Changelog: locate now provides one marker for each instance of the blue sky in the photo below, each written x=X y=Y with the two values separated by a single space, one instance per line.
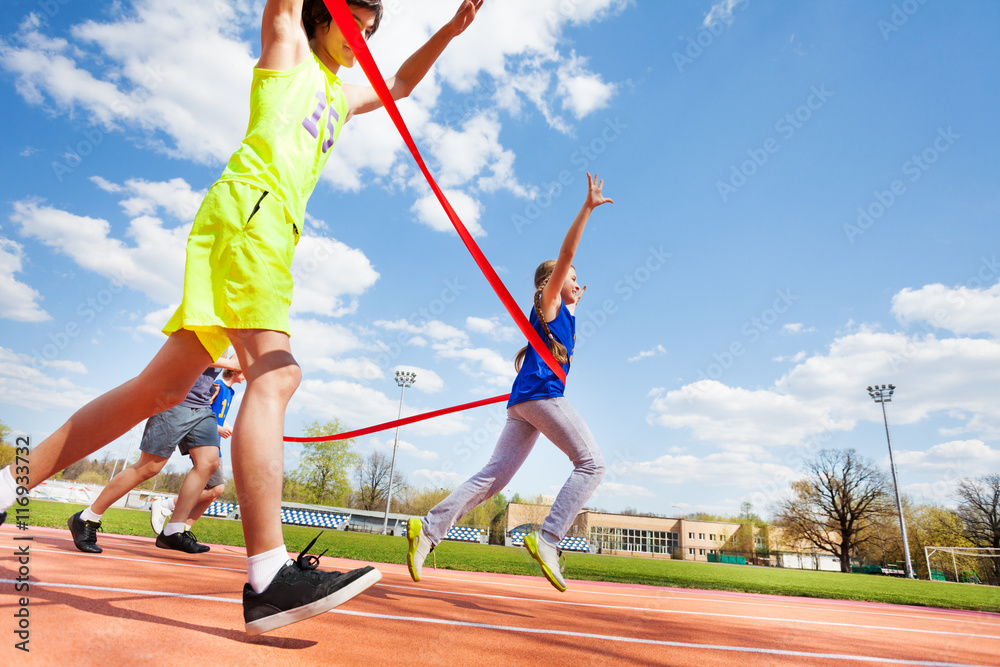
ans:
x=805 y=203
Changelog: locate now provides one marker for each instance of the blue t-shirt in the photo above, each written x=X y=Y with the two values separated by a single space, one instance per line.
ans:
x=201 y=393
x=222 y=402
x=536 y=380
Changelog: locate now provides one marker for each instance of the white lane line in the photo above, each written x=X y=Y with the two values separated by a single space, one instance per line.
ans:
x=836 y=606
x=697 y=613
x=537 y=631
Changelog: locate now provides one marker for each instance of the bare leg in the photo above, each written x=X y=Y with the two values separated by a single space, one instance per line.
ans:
x=205 y=460
x=258 y=446
x=146 y=467
x=206 y=498
x=162 y=384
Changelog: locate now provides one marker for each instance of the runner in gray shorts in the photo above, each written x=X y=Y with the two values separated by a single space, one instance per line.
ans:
x=183 y=428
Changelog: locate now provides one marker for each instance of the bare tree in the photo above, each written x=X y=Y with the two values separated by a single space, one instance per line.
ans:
x=979 y=514
x=373 y=481
x=836 y=506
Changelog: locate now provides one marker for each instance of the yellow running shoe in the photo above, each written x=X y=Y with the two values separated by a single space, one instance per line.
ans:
x=419 y=547
x=547 y=556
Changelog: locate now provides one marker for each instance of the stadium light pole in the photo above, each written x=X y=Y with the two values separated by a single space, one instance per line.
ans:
x=883 y=395
x=404 y=379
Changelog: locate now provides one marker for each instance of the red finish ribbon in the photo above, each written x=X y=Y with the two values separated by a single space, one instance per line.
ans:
x=348 y=27
x=401 y=422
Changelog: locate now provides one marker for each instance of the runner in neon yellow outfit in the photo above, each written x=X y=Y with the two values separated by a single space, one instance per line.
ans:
x=238 y=286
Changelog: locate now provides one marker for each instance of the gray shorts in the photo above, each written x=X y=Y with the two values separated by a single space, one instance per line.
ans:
x=218 y=477
x=181 y=428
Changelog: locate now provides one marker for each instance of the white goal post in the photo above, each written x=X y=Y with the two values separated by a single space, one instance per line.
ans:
x=978 y=552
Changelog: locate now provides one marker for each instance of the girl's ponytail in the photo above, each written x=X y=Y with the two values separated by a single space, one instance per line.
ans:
x=558 y=350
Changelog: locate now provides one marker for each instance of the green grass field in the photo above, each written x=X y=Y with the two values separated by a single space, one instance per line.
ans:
x=506 y=560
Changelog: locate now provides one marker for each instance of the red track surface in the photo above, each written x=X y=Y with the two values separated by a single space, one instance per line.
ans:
x=139 y=605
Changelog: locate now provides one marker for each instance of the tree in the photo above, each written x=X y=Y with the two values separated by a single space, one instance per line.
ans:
x=323 y=468
x=372 y=474
x=836 y=506
x=7 y=450
x=979 y=514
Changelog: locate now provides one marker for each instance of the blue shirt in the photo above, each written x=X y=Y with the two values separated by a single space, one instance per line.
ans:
x=536 y=380
x=222 y=402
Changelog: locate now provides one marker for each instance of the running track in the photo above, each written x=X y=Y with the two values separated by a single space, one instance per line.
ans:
x=139 y=605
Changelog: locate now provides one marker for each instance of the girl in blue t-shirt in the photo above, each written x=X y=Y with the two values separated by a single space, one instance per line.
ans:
x=536 y=406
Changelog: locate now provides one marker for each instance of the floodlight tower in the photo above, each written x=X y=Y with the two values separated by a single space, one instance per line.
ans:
x=883 y=395
x=404 y=379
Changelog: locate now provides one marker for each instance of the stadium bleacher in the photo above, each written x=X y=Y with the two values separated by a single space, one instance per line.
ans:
x=458 y=533
x=567 y=543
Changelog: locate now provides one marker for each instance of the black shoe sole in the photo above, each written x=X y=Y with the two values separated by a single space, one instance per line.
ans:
x=335 y=599
x=88 y=547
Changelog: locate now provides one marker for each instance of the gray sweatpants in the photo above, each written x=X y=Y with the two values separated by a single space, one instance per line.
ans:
x=554 y=418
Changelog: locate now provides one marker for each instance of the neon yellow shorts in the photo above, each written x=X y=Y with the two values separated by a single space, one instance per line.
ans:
x=237 y=272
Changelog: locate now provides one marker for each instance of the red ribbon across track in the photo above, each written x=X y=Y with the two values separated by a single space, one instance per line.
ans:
x=348 y=27
x=401 y=422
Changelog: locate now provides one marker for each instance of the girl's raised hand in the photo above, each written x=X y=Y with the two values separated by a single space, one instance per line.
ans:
x=464 y=16
x=595 y=194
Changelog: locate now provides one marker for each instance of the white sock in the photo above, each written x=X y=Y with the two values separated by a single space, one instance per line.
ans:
x=170 y=504
x=90 y=515
x=172 y=528
x=8 y=489
x=262 y=567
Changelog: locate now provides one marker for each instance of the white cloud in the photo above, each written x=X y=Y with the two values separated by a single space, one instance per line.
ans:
x=27 y=381
x=18 y=301
x=722 y=11
x=617 y=490
x=583 y=91
x=726 y=469
x=645 y=354
x=492 y=327
x=962 y=310
x=742 y=420
x=154 y=264
x=796 y=327
x=404 y=449
x=963 y=458
x=428 y=211
x=326 y=271
x=795 y=358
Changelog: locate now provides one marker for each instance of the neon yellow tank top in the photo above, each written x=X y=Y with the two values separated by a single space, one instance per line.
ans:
x=295 y=118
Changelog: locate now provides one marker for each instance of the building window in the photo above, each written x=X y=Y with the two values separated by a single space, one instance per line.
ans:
x=701 y=536
x=712 y=537
x=691 y=552
x=690 y=536
x=701 y=552
x=711 y=551
x=631 y=539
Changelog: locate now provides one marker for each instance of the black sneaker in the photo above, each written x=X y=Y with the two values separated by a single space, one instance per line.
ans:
x=300 y=591
x=183 y=541
x=84 y=534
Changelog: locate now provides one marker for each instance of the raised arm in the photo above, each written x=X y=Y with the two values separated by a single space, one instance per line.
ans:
x=283 y=43
x=362 y=99
x=564 y=262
